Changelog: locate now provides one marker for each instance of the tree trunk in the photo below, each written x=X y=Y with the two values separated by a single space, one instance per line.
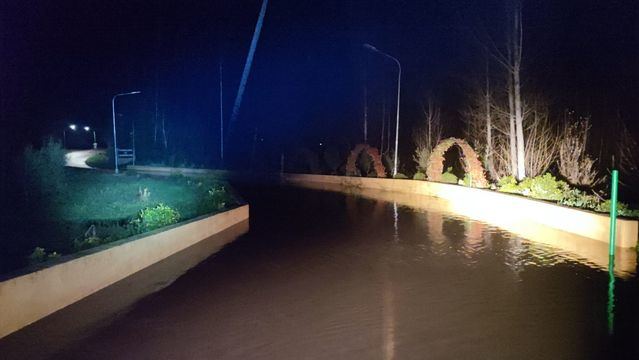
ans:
x=512 y=133
x=519 y=127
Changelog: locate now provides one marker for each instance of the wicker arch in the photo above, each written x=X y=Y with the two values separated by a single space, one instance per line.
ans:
x=351 y=163
x=471 y=162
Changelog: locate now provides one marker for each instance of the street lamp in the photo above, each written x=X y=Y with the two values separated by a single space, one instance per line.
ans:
x=64 y=134
x=95 y=143
x=115 y=140
x=399 y=79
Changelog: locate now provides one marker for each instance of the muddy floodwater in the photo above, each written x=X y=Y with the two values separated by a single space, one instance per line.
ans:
x=323 y=275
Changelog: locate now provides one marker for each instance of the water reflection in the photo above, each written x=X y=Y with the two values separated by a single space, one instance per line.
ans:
x=451 y=228
x=611 y=296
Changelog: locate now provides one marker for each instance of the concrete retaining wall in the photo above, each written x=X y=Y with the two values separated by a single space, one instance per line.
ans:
x=486 y=205
x=29 y=297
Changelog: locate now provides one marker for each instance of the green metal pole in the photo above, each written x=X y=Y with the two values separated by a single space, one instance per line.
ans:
x=613 y=212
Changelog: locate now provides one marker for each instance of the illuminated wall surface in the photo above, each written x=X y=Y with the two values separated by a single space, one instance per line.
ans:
x=27 y=298
x=582 y=233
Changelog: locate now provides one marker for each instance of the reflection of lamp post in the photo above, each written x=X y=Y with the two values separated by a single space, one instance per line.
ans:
x=95 y=143
x=399 y=77
x=115 y=139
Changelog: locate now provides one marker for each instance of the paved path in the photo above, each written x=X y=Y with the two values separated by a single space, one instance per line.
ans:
x=78 y=158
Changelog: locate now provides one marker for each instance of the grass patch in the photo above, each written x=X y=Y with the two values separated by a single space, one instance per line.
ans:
x=100 y=160
x=97 y=208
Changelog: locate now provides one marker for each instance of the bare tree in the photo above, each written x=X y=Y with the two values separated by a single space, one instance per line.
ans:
x=574 y=162
x=541 y=139
x=479 y=124
x=427 y=135
x=511 y=61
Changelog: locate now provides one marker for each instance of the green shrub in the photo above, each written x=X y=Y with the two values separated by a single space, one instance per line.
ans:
x=622 y=209
x=509 y=184
x=217 y=199
x=151 y=218
x=44 y=168
x=449 y=177
x=577 y=198
x=400 y=176
x=419 y=176
x=545 y=187
x=87 y=243
x=101 y=160
x=38 y=255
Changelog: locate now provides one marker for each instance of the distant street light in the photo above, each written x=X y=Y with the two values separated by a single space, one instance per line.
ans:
x=115 y=139
x=95 y=143
x=399 y=79
x=64 y=135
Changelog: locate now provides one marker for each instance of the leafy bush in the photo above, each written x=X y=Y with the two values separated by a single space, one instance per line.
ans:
x=87 y=243
x=217 y=198
x=44 y=168
x=622 y=209
x=151 y=218
x=449 y=177
x=419 y=176
x=577 y=198
x=40 y=255
x=545 y=187
x=37 y=256
x=400 y=176
x=508 y=184
x=101 y=160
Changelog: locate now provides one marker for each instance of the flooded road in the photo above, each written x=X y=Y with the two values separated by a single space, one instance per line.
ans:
x=322 y=275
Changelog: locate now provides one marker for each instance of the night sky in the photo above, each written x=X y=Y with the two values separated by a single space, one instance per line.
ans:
x=61 y=61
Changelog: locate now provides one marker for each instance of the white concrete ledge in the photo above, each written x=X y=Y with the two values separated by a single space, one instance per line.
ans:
x=487 y=205
x=29 y=297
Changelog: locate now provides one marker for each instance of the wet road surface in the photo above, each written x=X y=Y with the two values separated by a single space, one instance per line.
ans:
x=323 y=275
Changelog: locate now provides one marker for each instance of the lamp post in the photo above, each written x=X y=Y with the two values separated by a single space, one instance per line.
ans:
x=73 y=127
x=399 y=79
x=95 y=143
x=115 y=139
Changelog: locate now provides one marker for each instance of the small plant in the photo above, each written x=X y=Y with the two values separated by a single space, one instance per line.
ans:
x=508 y=184
x=419 y=176
x=87 y=243
x=400 y=176
x=546 y=187
x=449 y=177
x=143 y=194
x=622 y=209
x=577 y=198
x=218 y=197
x=38 y=255
x=151 y=218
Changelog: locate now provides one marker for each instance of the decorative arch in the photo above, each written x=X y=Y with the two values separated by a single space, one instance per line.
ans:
x=471 y=162
x=351 y=163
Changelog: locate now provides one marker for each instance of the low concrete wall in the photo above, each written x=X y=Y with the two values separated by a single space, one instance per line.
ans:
x=486 y=205
x=29 y=297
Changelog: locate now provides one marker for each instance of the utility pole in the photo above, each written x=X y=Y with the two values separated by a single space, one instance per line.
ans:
x=221 y=116
x=247 y=66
